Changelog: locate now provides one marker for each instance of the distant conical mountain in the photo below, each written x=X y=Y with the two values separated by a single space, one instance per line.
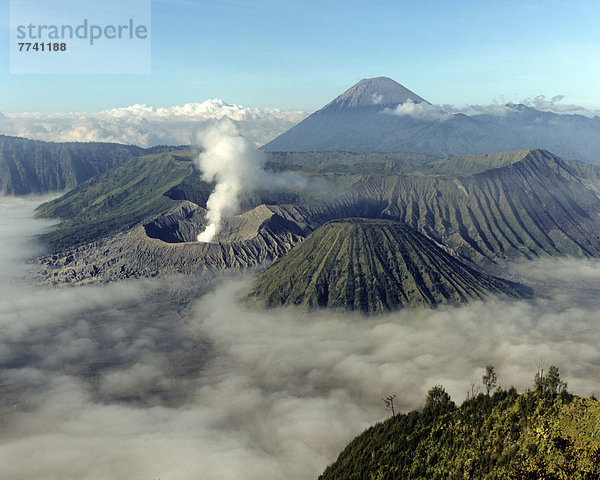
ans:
x=371 y=266
x=378 y=93
x=380 y=115
x=357 y=120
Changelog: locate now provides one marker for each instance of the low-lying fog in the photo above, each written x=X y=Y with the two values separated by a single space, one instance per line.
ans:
x=126 y=381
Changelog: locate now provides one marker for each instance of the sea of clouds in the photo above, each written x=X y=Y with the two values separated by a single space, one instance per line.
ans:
x=147 y=126
x=129 y=381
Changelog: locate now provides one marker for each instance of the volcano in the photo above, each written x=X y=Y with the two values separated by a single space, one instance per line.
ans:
x=371 y=266
x=380 y=115
x=372 y=94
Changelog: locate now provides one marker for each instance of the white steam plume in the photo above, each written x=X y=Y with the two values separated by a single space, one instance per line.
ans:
x=234 y=164
x=237 y=167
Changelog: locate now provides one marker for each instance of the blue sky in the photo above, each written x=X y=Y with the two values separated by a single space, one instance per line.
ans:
x=301 y=54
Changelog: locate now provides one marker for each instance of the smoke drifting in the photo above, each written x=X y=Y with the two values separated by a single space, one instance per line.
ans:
x=126 y=382
x=234 y=164
x=237 y=167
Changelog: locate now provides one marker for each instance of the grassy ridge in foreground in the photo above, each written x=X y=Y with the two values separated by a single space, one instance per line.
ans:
x=504 y=436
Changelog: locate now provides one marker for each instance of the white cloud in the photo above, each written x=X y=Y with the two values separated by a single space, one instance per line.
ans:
x=147 y=126
x=553 y=105
x=538 y=102
x=376 y=98
x=421 y=111
x=495 y=109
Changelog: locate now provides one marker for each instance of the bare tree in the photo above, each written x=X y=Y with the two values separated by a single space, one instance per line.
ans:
x=388 y=400
x=539 y=377
x=490 y=379
x=473 y=390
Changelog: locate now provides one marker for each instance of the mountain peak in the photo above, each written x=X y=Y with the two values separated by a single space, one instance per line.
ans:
x=371 y=265
x=378 y=92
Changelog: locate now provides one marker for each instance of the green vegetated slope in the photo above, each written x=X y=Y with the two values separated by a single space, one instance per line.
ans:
x=523 y=204
x=390 y=163
x=33 y=166
x=118 y=198
x=134 y=191
x=371 y=266
x=471 y=164
x=348 y=163
x=540 y=205
x=505 y=436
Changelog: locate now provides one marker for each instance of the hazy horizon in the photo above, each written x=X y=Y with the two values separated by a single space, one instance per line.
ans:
x=147 y=126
